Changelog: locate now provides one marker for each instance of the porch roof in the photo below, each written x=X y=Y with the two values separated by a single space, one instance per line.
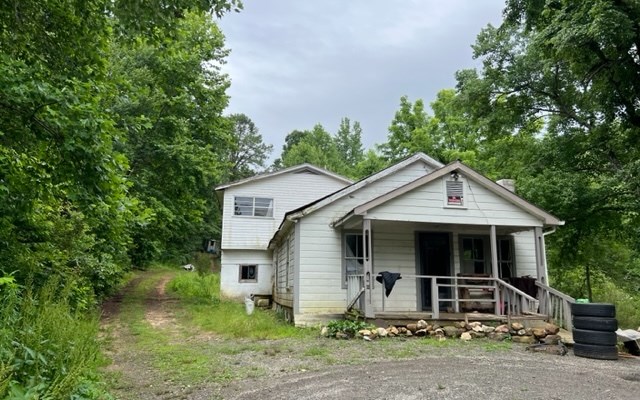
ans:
x=546 y=218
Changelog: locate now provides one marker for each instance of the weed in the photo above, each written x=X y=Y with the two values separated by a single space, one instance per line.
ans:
x=496 y=346
x=316 y=351
x=204 y=308
x=48 y=347
x=347 y=327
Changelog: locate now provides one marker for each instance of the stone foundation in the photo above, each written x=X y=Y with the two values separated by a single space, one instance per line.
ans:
x=465 y=331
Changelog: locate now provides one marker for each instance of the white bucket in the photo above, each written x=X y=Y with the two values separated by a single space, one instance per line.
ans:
x=249 y=305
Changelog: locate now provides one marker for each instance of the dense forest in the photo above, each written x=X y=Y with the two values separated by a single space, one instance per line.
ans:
x=113 y=135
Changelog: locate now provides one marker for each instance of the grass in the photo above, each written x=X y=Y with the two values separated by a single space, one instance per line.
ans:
x=204 y=308
x=200 y=311
x=212 y=341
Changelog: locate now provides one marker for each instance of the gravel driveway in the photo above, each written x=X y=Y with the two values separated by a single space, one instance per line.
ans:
x=450 y=375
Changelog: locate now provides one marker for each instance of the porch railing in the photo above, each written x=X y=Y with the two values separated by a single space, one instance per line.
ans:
x=355 y=290
x=556 y=305
x=504 y=298
x=514 y=301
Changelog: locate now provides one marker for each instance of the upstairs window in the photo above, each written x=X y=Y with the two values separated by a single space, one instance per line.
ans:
x=455 y=193
x=253 y=206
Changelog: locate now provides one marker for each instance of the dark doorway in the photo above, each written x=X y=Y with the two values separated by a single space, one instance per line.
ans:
x=434 y=258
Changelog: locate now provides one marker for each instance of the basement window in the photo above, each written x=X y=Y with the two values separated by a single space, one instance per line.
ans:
x=248 y=273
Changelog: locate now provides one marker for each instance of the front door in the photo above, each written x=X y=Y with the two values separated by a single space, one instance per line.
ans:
x=434 y=258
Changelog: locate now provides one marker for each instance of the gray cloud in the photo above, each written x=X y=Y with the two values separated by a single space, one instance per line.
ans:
x=297 y=63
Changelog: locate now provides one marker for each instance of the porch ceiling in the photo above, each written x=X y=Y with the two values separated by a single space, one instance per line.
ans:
x=355 y=223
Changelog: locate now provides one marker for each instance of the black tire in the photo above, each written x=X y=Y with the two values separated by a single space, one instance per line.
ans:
x=593 y=310
x=595 y=351
x=596 y=324
x=584 y=336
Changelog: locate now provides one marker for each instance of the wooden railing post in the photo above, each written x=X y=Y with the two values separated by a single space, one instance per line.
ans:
x=435 y=302
x=368 y=268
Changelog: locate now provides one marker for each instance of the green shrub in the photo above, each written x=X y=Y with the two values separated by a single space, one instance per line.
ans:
x=627 y=305
x=347 y=327
x=48 y=350
x=202 y=262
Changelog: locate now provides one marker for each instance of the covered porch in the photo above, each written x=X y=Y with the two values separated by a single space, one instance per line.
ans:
x=449 y=271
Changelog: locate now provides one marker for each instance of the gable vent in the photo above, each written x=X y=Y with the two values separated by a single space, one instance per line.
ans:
x=455 y=193
x=306 y=171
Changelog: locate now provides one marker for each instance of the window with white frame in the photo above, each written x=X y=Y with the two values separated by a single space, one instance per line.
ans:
x=354 y=253
x=475 y=255
x=248 y=273
x=253 y=206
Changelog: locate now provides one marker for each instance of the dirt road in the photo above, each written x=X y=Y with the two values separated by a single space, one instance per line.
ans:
x=155 y=356
x=494 y=376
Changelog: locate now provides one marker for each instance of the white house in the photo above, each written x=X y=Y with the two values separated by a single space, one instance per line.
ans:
x=438 y=226
x=458 y=240
x=252 y=211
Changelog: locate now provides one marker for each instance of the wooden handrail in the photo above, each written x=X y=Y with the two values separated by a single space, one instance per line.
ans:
x=556 y=305
x=515 y=289
x=555 y=292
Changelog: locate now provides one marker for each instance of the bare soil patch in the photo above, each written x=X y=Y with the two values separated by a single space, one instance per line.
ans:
x=158 y=313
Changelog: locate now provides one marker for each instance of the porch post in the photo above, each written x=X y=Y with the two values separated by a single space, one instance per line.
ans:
x=541 y=269
x=495 y=269
x=368 y=269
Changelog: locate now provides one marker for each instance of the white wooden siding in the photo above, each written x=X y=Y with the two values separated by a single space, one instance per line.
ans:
x=320 y=250
x=427 y=204
x=291 y=247
x=394 y=251
x=230 y=273
x=284 y=270
x=525 y=253
x=289 y=192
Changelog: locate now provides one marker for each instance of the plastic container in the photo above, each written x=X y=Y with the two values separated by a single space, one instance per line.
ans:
x=582 y=301
x=249 y=305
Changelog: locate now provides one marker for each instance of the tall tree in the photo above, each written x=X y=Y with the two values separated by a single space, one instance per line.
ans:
x=408 y=131
x=563 y=76
x=349 y=142
x=248 y=152
x=315 y=147
x=66 y=202
x=171 y=112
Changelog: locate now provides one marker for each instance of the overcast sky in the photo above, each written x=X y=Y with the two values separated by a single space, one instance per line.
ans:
x=296 y=63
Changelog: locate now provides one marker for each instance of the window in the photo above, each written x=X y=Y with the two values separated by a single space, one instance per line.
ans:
x=505 y=258
x=476 y=256
x=455 y=193
x=353 y=255
x=248 y=273
x=253 y=206
x=473 y=259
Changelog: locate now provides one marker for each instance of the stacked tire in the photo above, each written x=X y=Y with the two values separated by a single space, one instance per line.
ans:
x=594 y=327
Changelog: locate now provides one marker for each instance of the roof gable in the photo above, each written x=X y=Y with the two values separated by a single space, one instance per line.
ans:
x=308 y=208
x=297 y=169
x=480 y=179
